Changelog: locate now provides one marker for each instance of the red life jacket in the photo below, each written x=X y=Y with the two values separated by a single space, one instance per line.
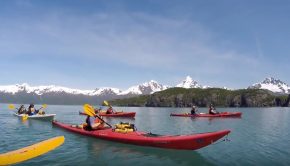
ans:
x=102 y=124
x=109 y=111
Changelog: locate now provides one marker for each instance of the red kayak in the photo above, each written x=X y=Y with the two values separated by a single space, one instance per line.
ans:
x=181 y=142
x=221 y=114
x=116 y=114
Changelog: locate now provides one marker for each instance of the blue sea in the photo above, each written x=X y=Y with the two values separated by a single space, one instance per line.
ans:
x=260 y=137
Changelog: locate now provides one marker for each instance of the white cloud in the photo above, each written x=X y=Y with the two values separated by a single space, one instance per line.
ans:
x=134 y=39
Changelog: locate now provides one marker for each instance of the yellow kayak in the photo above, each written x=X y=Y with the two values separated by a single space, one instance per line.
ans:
x=30 y=152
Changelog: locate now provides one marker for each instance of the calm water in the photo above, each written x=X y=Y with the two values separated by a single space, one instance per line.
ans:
x=260 y=137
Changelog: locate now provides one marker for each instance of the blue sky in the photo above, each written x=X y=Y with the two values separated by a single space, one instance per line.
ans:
x=87 y=44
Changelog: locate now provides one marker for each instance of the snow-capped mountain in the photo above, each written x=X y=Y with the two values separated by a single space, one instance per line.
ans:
x=189 y=83
x=24 y=93
x=142 y=89
x=105 y=91
x=39 y=90
x=272 y=84
x=150 y=87
x=145 y=88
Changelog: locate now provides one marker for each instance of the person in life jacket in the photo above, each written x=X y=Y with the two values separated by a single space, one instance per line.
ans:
x=31 y=110
x=94 y=123
x=212 y=110
x=98 y=110
x=110 y=110
x=193 y=110
x=21 y=110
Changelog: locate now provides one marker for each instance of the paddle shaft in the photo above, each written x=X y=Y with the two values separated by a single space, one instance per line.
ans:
x=89 y=110
x=102 y=120
x=109 y=105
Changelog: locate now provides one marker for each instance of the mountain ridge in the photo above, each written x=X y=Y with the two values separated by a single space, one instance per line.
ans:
x=141 y=89
x=38 y=94
x=272 y=84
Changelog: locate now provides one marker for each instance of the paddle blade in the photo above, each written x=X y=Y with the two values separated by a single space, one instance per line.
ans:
x=30 y=152
x=44 y=106
x=11 y=106
x=89 y=110
x=24 y=117
x=106 y=103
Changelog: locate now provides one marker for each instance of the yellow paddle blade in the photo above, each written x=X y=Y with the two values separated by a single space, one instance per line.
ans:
x=11 y=106
x=89 y=110
x=24 y=117
x=44 y=106
x=30 y=152
x=106 y=103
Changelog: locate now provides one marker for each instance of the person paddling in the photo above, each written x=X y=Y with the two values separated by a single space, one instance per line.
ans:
x=21 y=110
x=31 y=110
x=212 y=110
x=94 y=123
x=110 y=110
x=98 y=110
x=193 y=110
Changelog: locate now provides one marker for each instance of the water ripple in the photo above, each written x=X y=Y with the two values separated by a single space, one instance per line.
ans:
x=260 y=137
